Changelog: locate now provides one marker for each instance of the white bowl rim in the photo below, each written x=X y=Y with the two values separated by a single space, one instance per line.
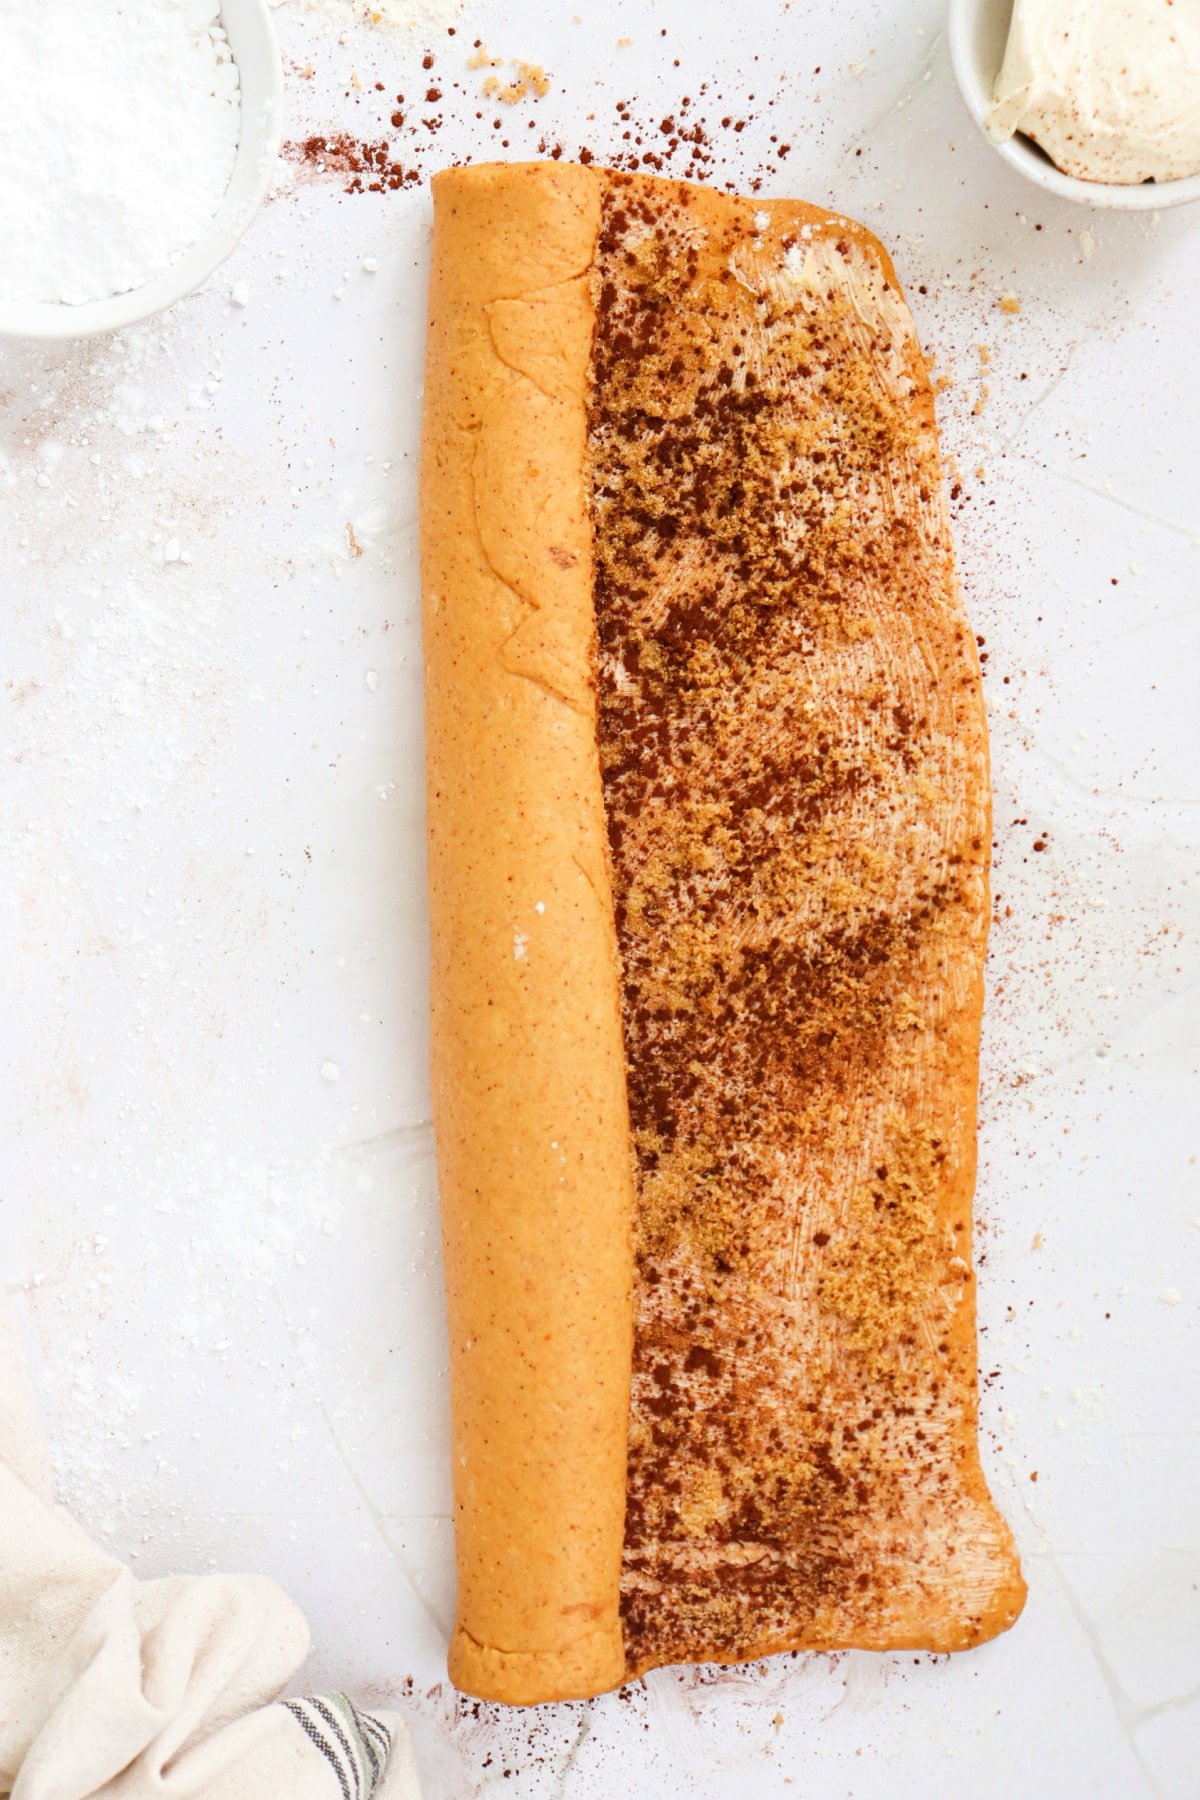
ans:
x=261 y=133
x=975 y=86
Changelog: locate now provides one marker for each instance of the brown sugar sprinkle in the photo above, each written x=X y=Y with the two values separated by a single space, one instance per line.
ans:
x=794 y=893
x=529 y=79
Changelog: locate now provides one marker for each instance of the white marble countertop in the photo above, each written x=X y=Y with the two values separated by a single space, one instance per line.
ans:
x=226 y=1263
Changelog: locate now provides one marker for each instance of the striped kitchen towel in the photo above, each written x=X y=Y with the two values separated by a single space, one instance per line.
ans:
x=117 y=1689
x=356 y=1745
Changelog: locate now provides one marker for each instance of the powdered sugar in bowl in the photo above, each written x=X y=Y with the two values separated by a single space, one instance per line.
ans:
x=135 y=149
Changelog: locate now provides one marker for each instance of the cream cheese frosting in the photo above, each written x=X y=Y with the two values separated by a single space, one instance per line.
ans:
x=1110 y=89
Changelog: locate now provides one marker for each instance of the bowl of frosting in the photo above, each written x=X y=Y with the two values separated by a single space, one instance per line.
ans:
x=137 y=142
x=1095 y=100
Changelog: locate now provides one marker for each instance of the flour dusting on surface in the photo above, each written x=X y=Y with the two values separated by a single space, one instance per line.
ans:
x=399 y=16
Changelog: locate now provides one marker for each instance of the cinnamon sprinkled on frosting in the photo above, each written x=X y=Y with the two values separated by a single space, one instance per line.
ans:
x=794 y=765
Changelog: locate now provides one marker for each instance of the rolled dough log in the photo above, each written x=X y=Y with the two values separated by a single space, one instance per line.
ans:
x=528 y=1069
x=708 y=834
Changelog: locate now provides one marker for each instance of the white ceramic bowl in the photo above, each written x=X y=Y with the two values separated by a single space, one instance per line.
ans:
x=252 y=39
x=978 y=31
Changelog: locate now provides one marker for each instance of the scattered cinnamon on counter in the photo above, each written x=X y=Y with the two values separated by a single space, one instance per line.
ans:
x=683 y=139
x=369 y=165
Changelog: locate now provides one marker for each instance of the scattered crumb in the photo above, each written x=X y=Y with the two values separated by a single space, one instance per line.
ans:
x=530 y=79
x=1009 y=303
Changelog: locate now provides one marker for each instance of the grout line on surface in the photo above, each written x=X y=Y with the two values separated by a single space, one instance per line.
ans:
x=398 y=1137
x=1101 y=493
x=583 y=1734
x=907 y=91
x=1129 y=1716
x=1008 y=442
x=377 y=1518
x=1114 y=797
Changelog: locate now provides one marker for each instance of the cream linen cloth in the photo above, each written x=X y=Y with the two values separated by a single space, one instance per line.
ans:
x=116 y=1689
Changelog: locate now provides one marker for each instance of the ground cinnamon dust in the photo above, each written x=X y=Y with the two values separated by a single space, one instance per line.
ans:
x=687 y=138
x=792 y=868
